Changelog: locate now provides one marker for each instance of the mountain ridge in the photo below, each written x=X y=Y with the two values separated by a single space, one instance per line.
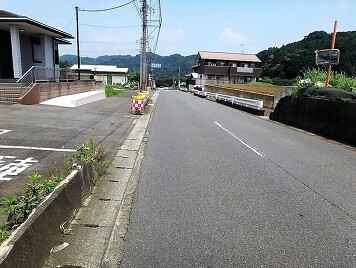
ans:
x=287 y=62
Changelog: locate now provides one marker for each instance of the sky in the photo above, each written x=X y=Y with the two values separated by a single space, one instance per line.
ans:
x=188 y=26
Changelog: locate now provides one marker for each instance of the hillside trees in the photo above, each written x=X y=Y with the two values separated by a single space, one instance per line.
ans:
x=291 y=60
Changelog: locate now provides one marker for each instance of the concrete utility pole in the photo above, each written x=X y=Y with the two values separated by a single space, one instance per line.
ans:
x=178 y=77
x=143 y=66
x=78 y=52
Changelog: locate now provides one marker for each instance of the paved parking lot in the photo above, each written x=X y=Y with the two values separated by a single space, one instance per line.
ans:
x=40 y=137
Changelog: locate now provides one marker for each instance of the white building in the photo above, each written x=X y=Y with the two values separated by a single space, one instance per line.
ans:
x=108 y=74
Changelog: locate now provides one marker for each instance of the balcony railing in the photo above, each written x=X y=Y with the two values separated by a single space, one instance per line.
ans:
x=229 y=70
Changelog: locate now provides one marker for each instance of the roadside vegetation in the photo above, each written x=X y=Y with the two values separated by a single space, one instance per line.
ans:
x=113 y=90
x=317 y=78
x=17 y=209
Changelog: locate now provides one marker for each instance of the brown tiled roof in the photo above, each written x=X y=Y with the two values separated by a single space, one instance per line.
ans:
x=206 y=55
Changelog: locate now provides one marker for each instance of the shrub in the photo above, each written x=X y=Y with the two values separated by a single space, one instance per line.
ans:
x=110 y=91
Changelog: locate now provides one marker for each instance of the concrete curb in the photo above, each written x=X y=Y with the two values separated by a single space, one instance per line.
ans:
x=29 y=245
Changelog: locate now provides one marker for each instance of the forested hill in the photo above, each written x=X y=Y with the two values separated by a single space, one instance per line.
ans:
x=285 y=62
x=169 y=64
x=289 y=60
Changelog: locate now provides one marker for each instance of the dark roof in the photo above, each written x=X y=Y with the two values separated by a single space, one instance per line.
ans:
x=8 y=18
x=6 y=14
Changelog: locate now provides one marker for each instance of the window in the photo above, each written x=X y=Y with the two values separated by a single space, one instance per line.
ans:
x=56 y=56
x=36 y=49
x=252 y=65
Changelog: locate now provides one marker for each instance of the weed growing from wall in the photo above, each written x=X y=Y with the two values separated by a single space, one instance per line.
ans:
x=18 y=209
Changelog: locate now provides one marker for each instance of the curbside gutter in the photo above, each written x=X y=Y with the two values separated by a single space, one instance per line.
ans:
x=29 y=245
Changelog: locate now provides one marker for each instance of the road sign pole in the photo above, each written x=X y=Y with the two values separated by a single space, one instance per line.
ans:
x=332 y=47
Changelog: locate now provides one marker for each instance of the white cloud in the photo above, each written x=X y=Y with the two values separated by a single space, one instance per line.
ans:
x=229 y=35
x=173 y=35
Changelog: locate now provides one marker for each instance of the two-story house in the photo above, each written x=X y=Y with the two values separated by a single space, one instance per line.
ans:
x=225 y=68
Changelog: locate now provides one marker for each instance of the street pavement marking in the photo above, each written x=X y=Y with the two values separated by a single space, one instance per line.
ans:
x=195 y=108
x=244 y=143
x=3 y=131
x=14 y=168
x=36 y=148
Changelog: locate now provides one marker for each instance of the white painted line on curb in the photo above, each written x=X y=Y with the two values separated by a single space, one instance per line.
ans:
x=244 y=143
x=36 y=148
x=195 y=108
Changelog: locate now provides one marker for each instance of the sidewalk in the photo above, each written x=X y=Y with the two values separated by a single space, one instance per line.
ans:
x=101 y=224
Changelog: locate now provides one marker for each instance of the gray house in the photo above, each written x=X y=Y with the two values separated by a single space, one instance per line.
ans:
x=26 y=43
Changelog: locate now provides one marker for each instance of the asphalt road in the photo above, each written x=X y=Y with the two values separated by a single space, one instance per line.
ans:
x=38 y=138
x=222 y=188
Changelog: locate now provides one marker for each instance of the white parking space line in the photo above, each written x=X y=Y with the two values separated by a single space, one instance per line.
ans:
x=3 y=131
x=244 y=143
x=36 y=148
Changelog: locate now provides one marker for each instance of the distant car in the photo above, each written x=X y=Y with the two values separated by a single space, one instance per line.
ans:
x=199 y=88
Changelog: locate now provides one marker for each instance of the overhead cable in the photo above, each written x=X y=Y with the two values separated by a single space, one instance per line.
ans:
x=113 y=27
x=106 y=9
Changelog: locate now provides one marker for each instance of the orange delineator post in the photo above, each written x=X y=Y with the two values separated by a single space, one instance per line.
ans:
x=332 y=47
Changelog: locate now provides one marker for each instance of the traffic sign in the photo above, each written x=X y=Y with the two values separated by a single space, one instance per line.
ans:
x=156 y=65
x=327 y=57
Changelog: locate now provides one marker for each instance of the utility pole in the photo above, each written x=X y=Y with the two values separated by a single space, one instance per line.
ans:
x=144 y=47
x=78 y=52
x=178 y=77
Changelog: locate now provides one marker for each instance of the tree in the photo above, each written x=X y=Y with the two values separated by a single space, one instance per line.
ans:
x=134 y=77
x=65 y=64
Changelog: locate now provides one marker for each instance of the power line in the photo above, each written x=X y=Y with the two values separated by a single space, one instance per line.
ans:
x=106 y=9
x=112 y=27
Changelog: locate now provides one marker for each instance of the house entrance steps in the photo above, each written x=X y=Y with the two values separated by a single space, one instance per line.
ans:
x=10 y=92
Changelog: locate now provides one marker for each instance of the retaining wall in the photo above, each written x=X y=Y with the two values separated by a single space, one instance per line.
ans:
x=268 y=100
x=330 y=118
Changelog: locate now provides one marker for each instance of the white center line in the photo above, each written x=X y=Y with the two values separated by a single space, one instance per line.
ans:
x=195 y=108
x=36 y=148
x=244 y=143
x=3 y=131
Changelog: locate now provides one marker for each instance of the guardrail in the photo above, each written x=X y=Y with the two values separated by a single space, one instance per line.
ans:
x=233 y=99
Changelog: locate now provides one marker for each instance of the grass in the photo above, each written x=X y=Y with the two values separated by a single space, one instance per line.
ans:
x=315 y=77
x=111 y=90
x=256 y=87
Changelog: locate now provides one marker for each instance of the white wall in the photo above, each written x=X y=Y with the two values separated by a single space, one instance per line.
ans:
x=16 y=51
